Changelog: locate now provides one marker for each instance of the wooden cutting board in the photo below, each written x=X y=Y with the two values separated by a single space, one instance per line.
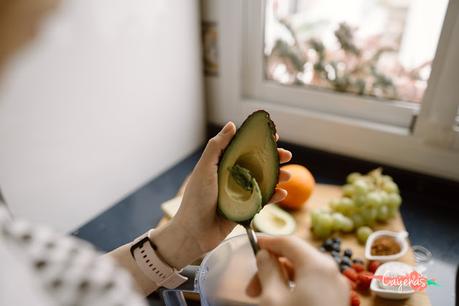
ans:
x=320 y=198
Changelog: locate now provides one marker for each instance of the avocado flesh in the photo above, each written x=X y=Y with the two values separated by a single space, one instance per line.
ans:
x=273 y=220
x=244 y=193
x=253 y=149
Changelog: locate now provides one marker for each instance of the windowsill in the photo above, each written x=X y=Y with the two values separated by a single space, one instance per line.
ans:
x=337 y=119
x=386 y=144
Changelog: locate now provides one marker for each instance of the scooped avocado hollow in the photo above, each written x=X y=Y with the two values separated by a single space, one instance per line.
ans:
x=249 y=169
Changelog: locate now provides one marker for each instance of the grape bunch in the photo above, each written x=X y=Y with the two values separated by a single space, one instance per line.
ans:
x=367 y=199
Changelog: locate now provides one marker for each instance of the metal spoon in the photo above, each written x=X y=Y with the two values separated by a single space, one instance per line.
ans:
x=252 y=237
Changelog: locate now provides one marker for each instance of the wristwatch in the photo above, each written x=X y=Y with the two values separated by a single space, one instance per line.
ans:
x=144 y=252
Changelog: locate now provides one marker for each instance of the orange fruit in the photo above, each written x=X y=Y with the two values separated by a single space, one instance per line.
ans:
x=299 y=187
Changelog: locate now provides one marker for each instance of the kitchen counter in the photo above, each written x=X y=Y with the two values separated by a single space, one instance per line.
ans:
x=429 y=216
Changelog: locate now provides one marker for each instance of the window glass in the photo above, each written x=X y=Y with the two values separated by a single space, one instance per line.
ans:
x=379 y=48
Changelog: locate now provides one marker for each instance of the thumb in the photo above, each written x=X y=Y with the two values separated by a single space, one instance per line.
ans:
x=218 y=143
x=270 y=273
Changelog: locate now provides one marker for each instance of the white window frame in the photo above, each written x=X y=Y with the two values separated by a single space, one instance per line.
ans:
x=437 y=121
x=396 y=113
x=372 y=130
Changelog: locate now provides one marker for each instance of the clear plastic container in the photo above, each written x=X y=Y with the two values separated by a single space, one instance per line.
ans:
x=225 y=273
x=223 y=276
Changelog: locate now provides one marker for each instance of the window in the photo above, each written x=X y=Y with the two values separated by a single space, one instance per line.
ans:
x=270 y=58
x=302 y=30
x=379 y=48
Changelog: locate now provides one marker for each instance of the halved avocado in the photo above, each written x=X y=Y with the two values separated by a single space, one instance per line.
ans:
x=273 y=220
x=249 y=168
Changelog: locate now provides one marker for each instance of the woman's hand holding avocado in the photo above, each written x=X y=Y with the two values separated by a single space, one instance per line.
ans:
x=197 y=228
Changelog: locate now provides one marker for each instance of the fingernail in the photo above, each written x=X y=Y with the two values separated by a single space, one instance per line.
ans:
x=226 y=128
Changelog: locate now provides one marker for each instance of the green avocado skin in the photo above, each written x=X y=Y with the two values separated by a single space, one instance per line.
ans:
x=255 y=137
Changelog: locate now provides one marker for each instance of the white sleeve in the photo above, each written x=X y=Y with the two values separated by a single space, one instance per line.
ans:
x=53 y=269
x=17 y=286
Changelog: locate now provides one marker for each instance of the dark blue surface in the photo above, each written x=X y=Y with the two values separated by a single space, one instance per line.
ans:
x=427 y=220
x=138 y=212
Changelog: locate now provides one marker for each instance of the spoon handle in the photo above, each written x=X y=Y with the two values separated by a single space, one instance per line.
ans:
x=253 y=239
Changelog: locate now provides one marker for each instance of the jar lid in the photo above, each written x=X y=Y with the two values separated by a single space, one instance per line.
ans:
x=421 y=254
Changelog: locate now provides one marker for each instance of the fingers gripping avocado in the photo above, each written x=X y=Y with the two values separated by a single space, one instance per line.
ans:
x=249 y=168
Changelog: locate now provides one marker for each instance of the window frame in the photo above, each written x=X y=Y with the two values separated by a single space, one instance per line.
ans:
x=391 y=112
x=437 y=120
x=414 y=146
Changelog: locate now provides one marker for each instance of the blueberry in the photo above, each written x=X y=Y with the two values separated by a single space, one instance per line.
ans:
x=336 y=246
x=348 y=253
x=322 y=249
x=346 y=261
x=335 y=253
x=337 y=259
x=328 y=245
x=343 y=267
x=336 y=241
x=357 y=261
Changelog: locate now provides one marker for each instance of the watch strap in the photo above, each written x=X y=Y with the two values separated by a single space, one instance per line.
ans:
x=144 y=252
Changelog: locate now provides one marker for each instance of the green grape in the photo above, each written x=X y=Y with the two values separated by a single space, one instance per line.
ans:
x=361 y=186
x=324 y=226
x=369 y=216
x=384 y=197
x=363 y=233
x=374 y=199
x=372 y=185
x=387 y=178
x=325 y=220
x=314 y=216
x=337 y=221
x=348 y=190
x=375 y=173
x=394 y=200
x=390 y=187
x=391 y=212
x=321 y=232
x=383 y=213
x=393 y=203
x=360 y=200
x=345 y=206
x=351 y=178
x=342 y=223
x=334 y=204
x=373 y=213
x=347 y=225
x=358 y=220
